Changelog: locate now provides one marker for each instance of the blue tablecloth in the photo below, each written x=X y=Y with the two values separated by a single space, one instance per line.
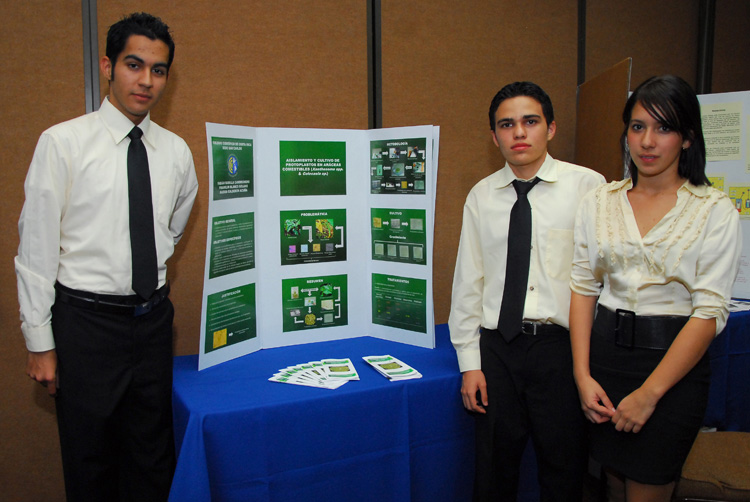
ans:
x=729 y=398
x=240 y=437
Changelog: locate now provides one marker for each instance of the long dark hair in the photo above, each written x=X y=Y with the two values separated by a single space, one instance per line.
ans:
x=673 y=103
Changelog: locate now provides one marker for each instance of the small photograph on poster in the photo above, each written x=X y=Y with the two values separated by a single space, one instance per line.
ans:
x=230 y=317
x=740 y=195
x=314 y=302
x=398 y=166
x=233 y=168
x=312 y=167
x=399 y=302
x=232 y=244
x=399 y=235
x=313 y=236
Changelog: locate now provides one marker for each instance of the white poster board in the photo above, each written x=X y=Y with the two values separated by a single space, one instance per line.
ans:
x=725 y=129
x=315 y=235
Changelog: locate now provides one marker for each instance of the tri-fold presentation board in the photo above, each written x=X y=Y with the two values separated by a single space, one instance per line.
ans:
x=317 y=234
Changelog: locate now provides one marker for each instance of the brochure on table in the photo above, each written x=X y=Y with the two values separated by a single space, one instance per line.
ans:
x=724 y=118
x=316 y=235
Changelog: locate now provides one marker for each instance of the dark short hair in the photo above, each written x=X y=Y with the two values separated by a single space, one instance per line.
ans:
x=138 y=23
x=529 y=89
x=673 y=103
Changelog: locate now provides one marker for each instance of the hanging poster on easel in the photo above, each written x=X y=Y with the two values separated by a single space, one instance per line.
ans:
x=315 y=235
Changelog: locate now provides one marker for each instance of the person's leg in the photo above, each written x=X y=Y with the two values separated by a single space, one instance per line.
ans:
x=639 y=492
x=92 y=377
x=558 y=427
x=145 y=415
x=502 y=433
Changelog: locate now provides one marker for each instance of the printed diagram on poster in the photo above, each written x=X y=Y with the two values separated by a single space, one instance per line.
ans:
x=315 y=235
x=724 y=119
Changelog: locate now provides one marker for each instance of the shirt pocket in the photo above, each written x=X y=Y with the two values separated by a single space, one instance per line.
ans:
x=558 y=256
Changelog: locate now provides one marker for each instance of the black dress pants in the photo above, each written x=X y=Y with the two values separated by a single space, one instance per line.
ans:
x=532 y=394
x=114 y=410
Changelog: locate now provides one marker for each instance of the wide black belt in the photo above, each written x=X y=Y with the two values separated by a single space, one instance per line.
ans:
x=630 y=331
x=131 y=305
x=533 y=328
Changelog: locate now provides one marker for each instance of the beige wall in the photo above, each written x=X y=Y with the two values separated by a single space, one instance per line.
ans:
x=304 y=64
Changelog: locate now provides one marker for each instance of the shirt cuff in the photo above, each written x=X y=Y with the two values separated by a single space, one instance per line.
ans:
x=38 y=339
x=469 y=360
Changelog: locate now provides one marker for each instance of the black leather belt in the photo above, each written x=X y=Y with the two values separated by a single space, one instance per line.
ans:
x=630 y=331
x=533 y=328
x=131 y=305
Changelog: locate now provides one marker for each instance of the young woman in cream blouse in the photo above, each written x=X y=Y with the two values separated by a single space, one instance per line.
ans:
x=658 y=253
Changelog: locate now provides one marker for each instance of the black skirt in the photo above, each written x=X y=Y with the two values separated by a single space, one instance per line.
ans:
x=654 y=455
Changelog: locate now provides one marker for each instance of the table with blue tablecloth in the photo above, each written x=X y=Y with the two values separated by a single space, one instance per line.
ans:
x=240 y=437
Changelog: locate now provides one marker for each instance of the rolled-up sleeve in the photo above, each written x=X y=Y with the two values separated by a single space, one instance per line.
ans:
x=582 y=278
x=717 y=265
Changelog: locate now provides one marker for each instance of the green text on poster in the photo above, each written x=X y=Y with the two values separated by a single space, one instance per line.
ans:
x=232 y=244
x=233 y=167
x=398 y=166
x=312 y=167
x=313 y=236
x=230 y=317
x=314 y=302
x=399 y=302
x=399 y=235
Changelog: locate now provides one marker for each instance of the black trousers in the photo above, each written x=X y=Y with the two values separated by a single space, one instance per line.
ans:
x=532 y=394
x=114 y=409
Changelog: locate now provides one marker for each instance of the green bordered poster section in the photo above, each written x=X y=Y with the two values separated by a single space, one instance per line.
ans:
x=399 y=235
x=233 y=168
x=232 y=244
x=230 y=317
x=314 y=302
x=312 y=167
x=399 y=302
x=314 y=236
x=398 y=166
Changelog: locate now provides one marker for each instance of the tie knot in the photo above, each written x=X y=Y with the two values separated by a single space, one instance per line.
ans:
x=522 y=187
x=135 y=134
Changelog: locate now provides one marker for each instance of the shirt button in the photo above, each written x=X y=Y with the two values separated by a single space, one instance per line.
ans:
x=531 y=288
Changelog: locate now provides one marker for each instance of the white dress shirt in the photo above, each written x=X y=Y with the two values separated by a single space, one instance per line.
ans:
x=482 y=252
x=685 y=265
x=74 y=224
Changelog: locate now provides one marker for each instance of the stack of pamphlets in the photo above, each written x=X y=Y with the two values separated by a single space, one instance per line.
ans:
x=392 y=368
x=326 y=374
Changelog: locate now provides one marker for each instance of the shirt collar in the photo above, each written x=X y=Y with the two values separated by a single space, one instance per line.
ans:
x=119 y=125
x=697 y=190
x=547 y=172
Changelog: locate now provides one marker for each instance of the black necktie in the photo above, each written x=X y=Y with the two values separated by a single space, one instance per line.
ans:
x=517 y=265
x=142 y=242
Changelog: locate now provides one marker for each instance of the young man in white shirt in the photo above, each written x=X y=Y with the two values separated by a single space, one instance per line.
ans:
x=517 y=378
x=98 y=340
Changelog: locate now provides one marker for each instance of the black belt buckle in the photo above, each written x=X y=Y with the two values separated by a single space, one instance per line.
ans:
x=144 y=308
x=625 y=328
x=529 y=328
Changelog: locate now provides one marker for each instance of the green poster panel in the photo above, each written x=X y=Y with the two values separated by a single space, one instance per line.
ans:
x=230 y=317
x=398 y=166
x=232 y=244
x=313 y=236
x=399 y=302
x=312 y=167
x=233 y=168
x=314 y=302
x=399 y=235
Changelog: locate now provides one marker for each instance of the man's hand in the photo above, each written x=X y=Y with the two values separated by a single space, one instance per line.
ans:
x=473 y=382
x=42 y=367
